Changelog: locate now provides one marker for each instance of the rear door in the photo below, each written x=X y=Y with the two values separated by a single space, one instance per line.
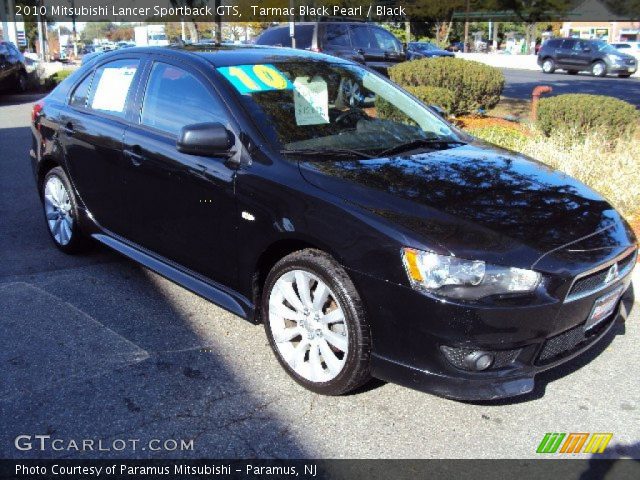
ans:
x=91 y=132
x=182 y=206
x=564 y=54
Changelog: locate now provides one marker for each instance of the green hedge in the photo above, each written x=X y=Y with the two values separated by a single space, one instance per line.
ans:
x=473 y=84
x=504 y=137
x=580 y=114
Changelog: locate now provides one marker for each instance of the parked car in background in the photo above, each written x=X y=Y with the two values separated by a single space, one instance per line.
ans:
x=632 y=48
x=455 y=47
x=595 y=56
x=416 y=50
x=13 y=69
x=360 y=42
x=370 y=240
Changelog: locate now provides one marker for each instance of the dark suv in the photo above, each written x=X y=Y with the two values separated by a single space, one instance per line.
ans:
x=360 y=42
x=370 y=238
x=575 y=55
x=13 y=73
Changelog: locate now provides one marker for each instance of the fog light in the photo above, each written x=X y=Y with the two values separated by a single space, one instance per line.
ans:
x=478 y=360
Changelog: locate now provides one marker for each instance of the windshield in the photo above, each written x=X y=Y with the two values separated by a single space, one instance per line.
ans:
x=604 y=47
x=334 y=108
x=425 y=47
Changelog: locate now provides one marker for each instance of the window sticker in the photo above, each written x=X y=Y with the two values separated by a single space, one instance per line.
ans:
x=113 y=89
x=255 y=78
x=311 y=100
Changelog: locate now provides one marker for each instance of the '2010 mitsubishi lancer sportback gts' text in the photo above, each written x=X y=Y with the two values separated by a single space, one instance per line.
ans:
x=310 y=194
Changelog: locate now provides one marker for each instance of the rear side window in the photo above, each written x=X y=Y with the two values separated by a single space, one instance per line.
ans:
x=385 y=40
x=361 y=37
x=304 y=35
x=552 y=44
x=111 y=86
x=275 y=36
x=175 y=98
x=337 y=35
x=81 y=93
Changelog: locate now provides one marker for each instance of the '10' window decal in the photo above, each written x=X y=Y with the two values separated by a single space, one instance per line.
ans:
x=255 y=78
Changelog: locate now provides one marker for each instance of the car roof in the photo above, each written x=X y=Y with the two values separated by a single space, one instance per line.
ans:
x=229 y=55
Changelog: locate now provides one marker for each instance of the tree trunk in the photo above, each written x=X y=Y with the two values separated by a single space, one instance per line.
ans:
x=193 y=31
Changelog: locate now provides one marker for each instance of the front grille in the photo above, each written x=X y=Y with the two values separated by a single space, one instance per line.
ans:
x=568 y=342
x=596 y=281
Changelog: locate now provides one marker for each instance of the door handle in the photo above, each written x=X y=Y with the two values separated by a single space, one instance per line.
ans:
x=135 y=155
x=68 y=129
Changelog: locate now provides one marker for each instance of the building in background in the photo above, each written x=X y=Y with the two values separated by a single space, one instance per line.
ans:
x=611 y=32
x=9 y=31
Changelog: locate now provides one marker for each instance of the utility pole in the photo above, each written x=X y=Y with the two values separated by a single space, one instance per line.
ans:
x=466 y=27
x=292 y=25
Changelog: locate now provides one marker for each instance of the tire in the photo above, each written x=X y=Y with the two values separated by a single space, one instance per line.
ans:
x=22 y=82
x=548 y=65
x=599 y=69
x=572 y=72
x=310 y=343
x=61 y=212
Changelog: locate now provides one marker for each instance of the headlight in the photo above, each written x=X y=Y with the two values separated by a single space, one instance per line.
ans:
x=454 y=277
x=614 y=58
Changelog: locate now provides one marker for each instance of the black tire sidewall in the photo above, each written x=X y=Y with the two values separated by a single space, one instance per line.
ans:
x=357 y=363
x=78 y=240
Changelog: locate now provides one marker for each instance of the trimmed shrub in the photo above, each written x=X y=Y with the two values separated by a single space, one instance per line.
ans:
x=579 y=114
x=505 y=137
x=441 y=97
x=473 y=84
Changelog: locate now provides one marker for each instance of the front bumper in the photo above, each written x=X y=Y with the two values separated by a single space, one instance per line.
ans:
x=409 y=328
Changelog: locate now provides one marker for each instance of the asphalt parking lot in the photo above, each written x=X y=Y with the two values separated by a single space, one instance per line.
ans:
x=96 y=347
x=520 y=83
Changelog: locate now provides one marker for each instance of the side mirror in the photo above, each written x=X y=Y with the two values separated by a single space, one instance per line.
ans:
x=207 y=139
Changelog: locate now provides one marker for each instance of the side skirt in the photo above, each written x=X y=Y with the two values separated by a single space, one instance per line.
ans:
x=215 y=293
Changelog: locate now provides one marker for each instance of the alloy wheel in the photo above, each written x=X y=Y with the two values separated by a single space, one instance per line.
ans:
x=547 y=66
x=598 y=69
x=57 y=206
x=308 y=326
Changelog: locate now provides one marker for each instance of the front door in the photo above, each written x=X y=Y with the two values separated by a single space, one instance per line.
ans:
x=182 y=206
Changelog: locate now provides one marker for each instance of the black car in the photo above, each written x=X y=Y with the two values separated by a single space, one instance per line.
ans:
x=13 y=72
x=360 y=42
x=369 y=241
x=416 y=50
x=594 y=56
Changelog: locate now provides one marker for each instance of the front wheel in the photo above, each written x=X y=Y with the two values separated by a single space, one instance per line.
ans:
x=599 y=69
x=316 y=324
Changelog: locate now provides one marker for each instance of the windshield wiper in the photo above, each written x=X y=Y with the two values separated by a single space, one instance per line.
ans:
x=417 y=143
x=329 y=151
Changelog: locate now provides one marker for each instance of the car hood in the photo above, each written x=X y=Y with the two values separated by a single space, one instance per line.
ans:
x=475 y=201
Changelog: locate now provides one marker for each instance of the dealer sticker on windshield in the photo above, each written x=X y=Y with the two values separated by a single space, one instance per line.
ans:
x=255 y=78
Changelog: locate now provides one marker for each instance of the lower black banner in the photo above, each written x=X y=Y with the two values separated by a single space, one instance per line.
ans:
x=322 y=469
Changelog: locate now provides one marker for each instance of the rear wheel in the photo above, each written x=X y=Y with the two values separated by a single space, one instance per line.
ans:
x=22 y=82
x=599 y=69
x=316 y=324
x=548 y=65
x=61 y=212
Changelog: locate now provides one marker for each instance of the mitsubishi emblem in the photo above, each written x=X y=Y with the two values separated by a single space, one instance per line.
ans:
x=612 y=274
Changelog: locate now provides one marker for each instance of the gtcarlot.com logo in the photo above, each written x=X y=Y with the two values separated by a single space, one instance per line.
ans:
x=46 y=443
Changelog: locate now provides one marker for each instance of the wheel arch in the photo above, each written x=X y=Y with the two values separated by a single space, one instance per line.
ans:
x=47 y=163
